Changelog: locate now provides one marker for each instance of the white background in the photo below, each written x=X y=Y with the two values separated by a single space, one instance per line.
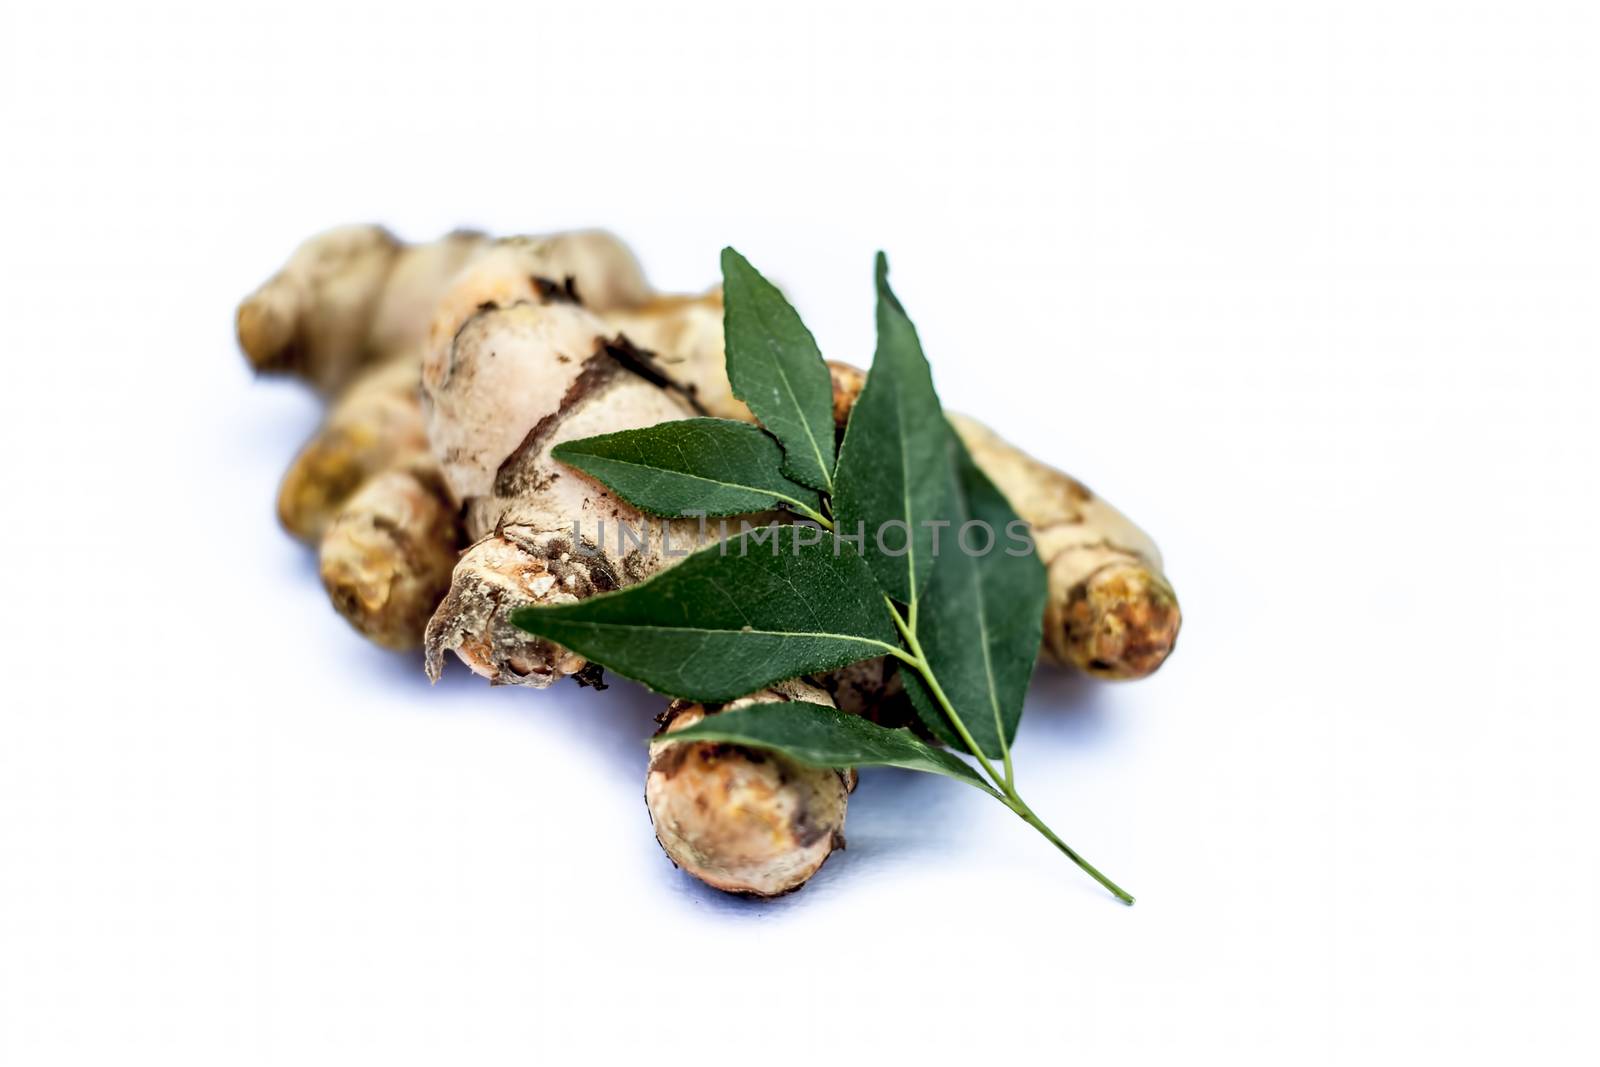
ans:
x=1308 y=289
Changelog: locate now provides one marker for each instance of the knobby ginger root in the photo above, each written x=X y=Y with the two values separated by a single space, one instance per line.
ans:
x=368 y=489
x=311 y=318
x=363 y=353
x=386 y=560
x=739 y=819
x=351 y=298
x=872 y=689
x=513 y=369
x=527 y=342
x=588 y=267
x=346 y=299
x=1110 y=611
x=375 y=425
x=376 y=420
x=684 y=336
x=350 y=313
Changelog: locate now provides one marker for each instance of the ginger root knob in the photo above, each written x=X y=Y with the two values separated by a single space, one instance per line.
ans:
x=743 y=820
x=386 y=560
x=1111 y=612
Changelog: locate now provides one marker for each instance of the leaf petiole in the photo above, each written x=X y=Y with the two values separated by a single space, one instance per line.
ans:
x=1004 y=782
x=1005 y=750
x=919 y=661
x=800 y=509
x=1016 y=804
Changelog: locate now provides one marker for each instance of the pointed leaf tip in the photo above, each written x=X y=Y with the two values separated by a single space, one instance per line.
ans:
x=775 y=367
x=885 y=293
x=894 y=462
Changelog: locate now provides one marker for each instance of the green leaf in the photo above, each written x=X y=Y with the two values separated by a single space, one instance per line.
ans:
x=768 y=604
x=981 y=618
x=775 y=367
x=894 y=464
x=826 y=737
x=692 y=467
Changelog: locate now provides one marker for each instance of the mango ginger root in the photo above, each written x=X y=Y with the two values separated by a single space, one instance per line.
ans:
x=350 y=314
x=347 y=298
x=1110 y=612
x=521 y=344
x=512 y=371
x=744 y=820
x=347 y=314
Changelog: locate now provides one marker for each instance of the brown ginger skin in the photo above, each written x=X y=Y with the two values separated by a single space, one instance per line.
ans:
x=348 y=315
x=872 y=689
x=374 y=426
x=346 y=299
x=386 y=560
x=1110 y=611
x=363 y=354
x=368 y=490
x=352 y=314
x=311 y=318
x=515 y=368
x=684 y=336
x=513 y=567
x=743 y=820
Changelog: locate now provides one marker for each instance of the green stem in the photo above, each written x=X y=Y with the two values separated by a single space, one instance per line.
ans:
x=1017 y=805
x=1008 y=791
x=920 y=662
x=1005 y=749
x=800 y=509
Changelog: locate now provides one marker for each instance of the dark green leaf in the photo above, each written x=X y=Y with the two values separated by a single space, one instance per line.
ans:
x=763 y=606
x=894 y=465
x=775 y=367
x=827 y=737
x=692 y=467
x=981 y=617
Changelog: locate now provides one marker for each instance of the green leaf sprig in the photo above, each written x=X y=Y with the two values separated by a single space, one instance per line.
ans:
x=865 y=576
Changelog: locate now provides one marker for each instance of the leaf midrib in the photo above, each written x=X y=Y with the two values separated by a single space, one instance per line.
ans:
x=816 y=757
x=788 y=387
x=874 y=642
x=695 y=477
x=982 y=608
x=905 y=497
